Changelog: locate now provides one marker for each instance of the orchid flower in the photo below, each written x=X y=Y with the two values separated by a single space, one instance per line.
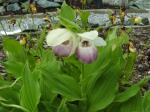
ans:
x=64 y=43
x=87 y=51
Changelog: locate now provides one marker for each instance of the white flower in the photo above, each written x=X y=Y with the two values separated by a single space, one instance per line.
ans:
x=62 y=42
x=58 y=36
x=65 y=43
x=93 y=37
x=87 y=51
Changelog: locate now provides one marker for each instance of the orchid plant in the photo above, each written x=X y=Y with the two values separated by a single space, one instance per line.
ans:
x=65 y=41
x=77 y=71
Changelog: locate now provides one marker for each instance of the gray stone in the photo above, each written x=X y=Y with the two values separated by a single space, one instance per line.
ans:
x=58 y=0
x=145 y=21
x=115 y=2
x=142 y=4
x=100 y=19
x=47 y=4
x=13 y=7
x=148 y=52
x=9 y=1
x=2 y=9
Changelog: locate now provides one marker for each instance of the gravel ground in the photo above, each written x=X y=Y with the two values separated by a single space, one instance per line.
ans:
x=141 y=39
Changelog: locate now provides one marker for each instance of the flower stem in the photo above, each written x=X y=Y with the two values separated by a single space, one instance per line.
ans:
x=82 y=104
x=82 y=70
x=82 y=78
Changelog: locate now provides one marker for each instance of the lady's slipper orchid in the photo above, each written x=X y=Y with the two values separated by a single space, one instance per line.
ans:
x=87 y=51
x=64 y=49
x=64 y=43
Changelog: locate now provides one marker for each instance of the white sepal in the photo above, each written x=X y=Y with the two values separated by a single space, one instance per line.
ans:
x=99 y=42
x=91 y=35
x=58 y=36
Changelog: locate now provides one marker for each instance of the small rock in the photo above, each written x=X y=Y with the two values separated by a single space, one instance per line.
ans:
x=59 y=1
x=145 y=21
x=115 y=2
x=13 y=7
x=147 y=86
x=47 y=4
x=142 y=67
x=2 y=9
x=9 y=1
x=148 y=52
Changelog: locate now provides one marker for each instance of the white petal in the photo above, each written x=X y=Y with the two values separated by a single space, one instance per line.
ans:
x=89 y=35
x=75 y=42
x=100 y=42
x=58 y=36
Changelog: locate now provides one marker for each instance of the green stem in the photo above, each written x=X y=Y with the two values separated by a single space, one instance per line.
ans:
x=82 y=78
x=63 y=101
x=83 y=103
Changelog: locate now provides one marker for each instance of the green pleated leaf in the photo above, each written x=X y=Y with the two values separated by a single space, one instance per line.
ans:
x=131 y=91
x=46 y=91
x=104 y=91
x=106 y=72
x=14 y=106
x=132 y=105
x=64 y=85
x=15 y=70
x=129 y=66
x=84 y=15
x=55 y=80
x=10 y=94
x=5 y=85
x=2 y=99
x=47 y=62
x=30 y=91
x=112 y=34
x=14 y=50
x=16 y=57
x=69 y=24
x=146 y=102
x=67 y=12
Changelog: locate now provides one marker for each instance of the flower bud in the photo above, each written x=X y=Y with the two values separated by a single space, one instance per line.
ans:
x=33 y=8
x=23 y=41
x=63 y=50
x=137 y=20
x=86 y=52
x=131 y=47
